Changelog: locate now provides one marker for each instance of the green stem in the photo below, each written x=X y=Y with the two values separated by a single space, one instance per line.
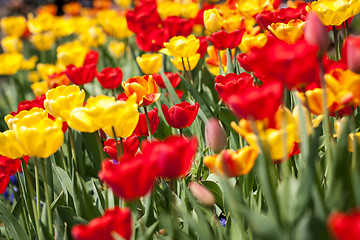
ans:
x=222 y=71
x=186 y=73
x=37 y=187
x=117 y=145
x=336 y=43
x=72 y=143
x=148 y=123
x=189 y=71
x=47 y=198
x=121 y=145
x=113 y=92
x=101 y=151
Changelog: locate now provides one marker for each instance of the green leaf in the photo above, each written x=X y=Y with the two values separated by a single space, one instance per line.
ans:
x=12 y=225
x=170 y=89
x=64 y=179
x=216 y=191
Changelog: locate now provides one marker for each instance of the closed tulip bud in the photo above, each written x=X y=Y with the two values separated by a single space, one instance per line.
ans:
x=352 y=48
x=11 y=44
x=110 y=78
x=43 y=41
x=215 y=135
x=150 y=63
x=202 y=194
x=212 y=20
x=315 y=32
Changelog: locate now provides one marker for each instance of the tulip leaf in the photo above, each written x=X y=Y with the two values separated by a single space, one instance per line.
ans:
x=170 y=89
x=216 y=191
x=230 y=66
x=98 y=195
x=65 y=180
x=12 y=224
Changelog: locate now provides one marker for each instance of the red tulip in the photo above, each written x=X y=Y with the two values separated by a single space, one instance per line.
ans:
x=9 y=167
x=315 y=32
x=181 y=115
x=351 y=53
x=345 y=226
x=178 y=26
x=115 y=220
x=141 y=129
x=232 y=83
x=110 y=78
x=81 y=75
x=143 y=18
x=222 y=40
x=173 y=78
x=173 y=156
x=131 y=179
x=257 y=102
x=130 y=146
x=330 y=64
x=296 y=65
x=153 y=40
x=91 y=58
x=203 y=46
x=178 y=92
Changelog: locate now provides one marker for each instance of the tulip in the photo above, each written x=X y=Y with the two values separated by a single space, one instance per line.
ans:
x=116 y=48
x=13 y=25
x=8 y=167
x=116 y=26
x=9 y=145
x=60 y=101
x=130 y=146
x=71 y=53
x=222 y=40
x=92 y=57
x=251 y=7
x=81 y=75
x=190 y=62
x=173 y=156
x=38 y=135
x=173 y=78
x=180 y=115
x=181 y=47
x=178 y=26
x=212 y=20
x=203 y=46
x=152 y=41
x=10 y=63
x=233 y=83
x=29 y=64
x=93 y=37
x=129 y=180
x=115 y=221
x=41 y=23
x=43 y=41
x=150 y=63
x=39 y=88
x=344 y=226
x=110 y=78
x=351 y=52
x=202 y=194
x=215 y=135
x=141 y=129
x=230 y=163
x=315 y=32
x=289 y=32
x=11 y=44
x=145 y=88
x=248 y=41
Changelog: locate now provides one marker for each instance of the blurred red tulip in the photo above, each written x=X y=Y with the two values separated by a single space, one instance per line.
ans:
x=351 y=53
x=222 y=40
x=81 y=75
x=115 y=220
x=144 y=17
x=257 y=102
x=152 y=40
x=203 y=46
x=345 y=226
x=131 y=179
x=110 y=78
x=173 y=78
x=9 y=167
x=180 y=115
x=173 y=156
x=178 y=26
x=130 y=146
x=141 y=129
x=232 y=83
x=315 y=32
x=91 y=58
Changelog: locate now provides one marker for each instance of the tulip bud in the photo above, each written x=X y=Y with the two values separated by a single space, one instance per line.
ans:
x=315 y=32
x=212 y=20
x=202 y=194
x=353 y=53
x=215 y=135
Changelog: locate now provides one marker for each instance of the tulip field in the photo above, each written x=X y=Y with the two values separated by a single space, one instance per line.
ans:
x=179 y=119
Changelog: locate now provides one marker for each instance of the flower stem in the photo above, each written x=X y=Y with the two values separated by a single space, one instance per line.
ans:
x=336 y=43
x=47 y=198
x=72 y=143
x=117 y=145
x=189 y=71
x=37 y=187
x=148 y=123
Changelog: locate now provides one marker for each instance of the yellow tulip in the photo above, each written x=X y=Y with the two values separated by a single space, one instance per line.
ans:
x=123 y=3
x=45 y=69
x=11 y=44
x=9 y=145
x=39 y=88
x=10 y=63
x=116 y=26
x=150 y=63
x=63 y=27
x=33 y=76
x=71 y=53
x=93 y=37
x=170 y=8
x=145 y=88
x=230 y=163
x=13 y=25
x=41 y=23
x=193 y=61
x=212 y=20
x=82 y=23
x=60 y=101
x=102 y=112
x=38 y=135
x=43 y=41
x=333 y=12
x=29 y=64
x=250 y=7
x=353 y=137
x=289 y=32
x=248 y=41
x=189 y=10
x=128 y=117
x=116 y=48
x=180 y=46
